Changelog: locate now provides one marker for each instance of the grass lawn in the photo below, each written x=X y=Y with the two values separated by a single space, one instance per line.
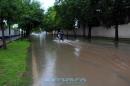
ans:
x=13 y=64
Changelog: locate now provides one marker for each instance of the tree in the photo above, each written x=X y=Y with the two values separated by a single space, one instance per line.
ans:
x=114 y=11
x=32 y=17
x=93 y=13
x=3 y=35
x=83 y=10
x=12 y=13
x=90 y=15
x=67 y=13
x=49 y=19
x=9 y=11
x=26 y=13
x=4 y=14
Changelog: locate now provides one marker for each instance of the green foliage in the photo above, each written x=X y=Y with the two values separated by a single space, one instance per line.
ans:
x=66 y=15
x=49 y=19
x=26 y=13
x=114 y=11
x=94 y=12
x=31 y=16
x=8 y=9
x=83 y=10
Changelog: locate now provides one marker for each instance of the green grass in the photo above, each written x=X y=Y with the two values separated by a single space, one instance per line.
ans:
x=13 y=64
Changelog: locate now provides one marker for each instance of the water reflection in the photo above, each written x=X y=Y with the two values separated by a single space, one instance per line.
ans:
x=42 y=37
x=49 y=68
x=97 y=64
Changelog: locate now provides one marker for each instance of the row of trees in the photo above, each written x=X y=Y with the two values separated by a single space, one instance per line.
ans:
x=26 y=13
x=90 y=13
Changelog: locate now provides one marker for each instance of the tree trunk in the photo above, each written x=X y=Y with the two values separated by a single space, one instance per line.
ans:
x=116 y=33
x=3 y=39
x=84 y=30
x=67 y=34
x=27 y=33
x=19 y=33
x=28 y=30
x=3 y=35
x=75 y=34
x=89 y=33
x=9 y=31
x=22 y=34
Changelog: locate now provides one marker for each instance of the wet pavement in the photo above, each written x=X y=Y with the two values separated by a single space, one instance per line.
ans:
x=79 y=63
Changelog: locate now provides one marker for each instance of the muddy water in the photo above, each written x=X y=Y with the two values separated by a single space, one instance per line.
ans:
x=78 y=63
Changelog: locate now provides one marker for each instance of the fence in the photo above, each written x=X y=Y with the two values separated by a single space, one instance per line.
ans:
x=13 y=33
x=124 y=31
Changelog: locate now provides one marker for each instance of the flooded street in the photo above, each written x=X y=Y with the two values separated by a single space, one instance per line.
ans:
x=79 y=63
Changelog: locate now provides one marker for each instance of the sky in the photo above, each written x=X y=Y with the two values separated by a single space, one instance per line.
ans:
x=46 y=3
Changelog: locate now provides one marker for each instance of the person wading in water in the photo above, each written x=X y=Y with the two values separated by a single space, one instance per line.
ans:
x=61 y=35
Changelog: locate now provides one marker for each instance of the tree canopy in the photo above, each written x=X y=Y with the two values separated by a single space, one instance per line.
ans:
x=92 y=13
x=26 y=13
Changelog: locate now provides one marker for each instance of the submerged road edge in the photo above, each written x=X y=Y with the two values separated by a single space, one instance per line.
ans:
x=34 y=69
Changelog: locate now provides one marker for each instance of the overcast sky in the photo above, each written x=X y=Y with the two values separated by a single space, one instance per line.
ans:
x=46 y=3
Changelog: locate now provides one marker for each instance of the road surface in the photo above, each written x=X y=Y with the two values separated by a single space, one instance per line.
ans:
x=79 y=63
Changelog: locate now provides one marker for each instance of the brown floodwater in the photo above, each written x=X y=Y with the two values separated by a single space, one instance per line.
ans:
x=79 y=63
